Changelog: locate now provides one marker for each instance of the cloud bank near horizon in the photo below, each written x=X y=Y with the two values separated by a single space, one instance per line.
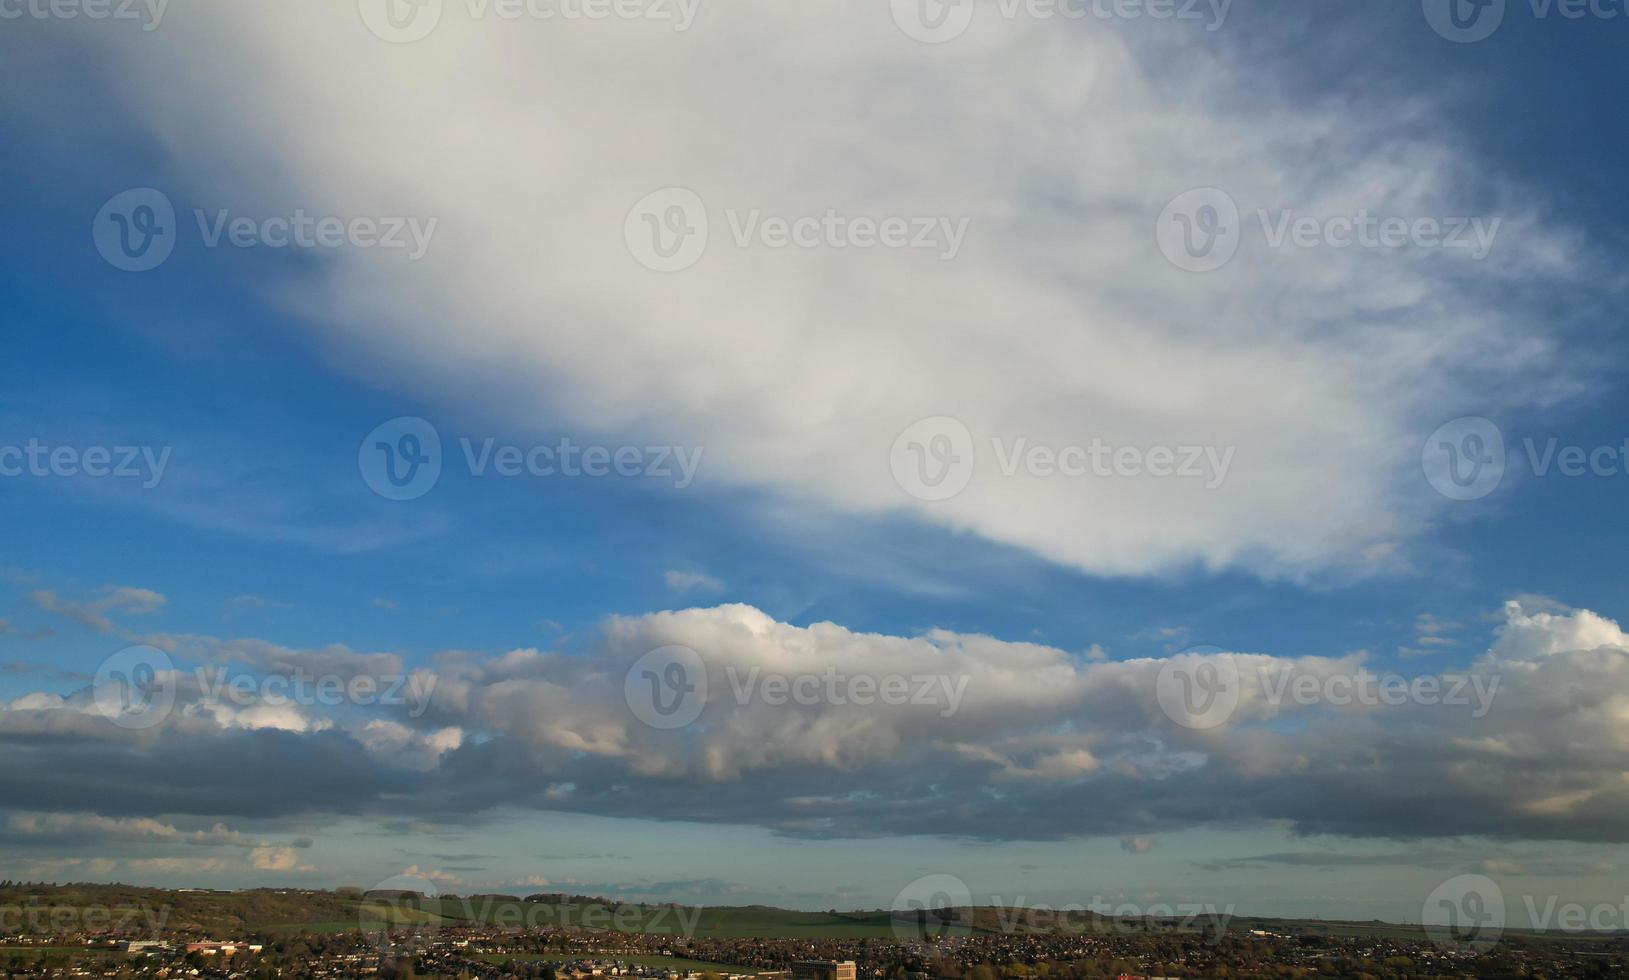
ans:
x=985 y=738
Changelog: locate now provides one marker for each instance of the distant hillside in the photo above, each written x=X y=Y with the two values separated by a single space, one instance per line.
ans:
x=123 y=910
x=126 y=910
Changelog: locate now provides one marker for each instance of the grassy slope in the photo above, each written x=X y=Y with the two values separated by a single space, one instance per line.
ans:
x=238 y=913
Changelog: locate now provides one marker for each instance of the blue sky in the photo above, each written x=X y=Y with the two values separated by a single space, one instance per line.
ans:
x=264 y=369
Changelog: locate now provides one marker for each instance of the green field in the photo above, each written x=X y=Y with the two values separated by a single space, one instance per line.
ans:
x=731 y=922
x=148 y=912
x=672 y=962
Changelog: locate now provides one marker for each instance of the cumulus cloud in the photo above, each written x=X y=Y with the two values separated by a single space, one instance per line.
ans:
x=980 y=737
x=277 y=859
x=1058 y=321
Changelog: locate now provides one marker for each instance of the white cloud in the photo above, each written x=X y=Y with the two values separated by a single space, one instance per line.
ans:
x=1534 y=633
x=1057 y=732
x=1035 y=743
x=89 y=825
x=1059 y=321
x=682 y=581
x=94 y=613
x=277 y=859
